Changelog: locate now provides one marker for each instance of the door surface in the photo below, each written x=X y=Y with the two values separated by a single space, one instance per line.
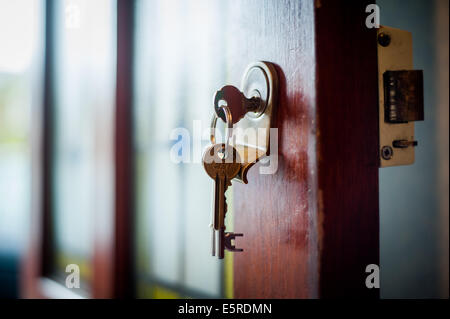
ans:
x=312 y=227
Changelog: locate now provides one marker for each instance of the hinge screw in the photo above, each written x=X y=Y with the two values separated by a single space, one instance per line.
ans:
x=387 y=152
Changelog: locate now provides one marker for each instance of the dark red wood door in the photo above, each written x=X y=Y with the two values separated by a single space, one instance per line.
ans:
x=312 y=227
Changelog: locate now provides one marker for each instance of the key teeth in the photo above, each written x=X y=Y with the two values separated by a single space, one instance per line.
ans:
x=227 y=184
x=228 y=237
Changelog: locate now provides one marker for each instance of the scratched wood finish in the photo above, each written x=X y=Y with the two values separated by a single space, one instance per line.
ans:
x=277 y=213
x=310 y=229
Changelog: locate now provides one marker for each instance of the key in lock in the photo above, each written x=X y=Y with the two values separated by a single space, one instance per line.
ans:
x=237 y=103
x=232 y=160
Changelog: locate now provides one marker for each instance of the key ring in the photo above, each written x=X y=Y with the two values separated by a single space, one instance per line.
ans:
x=228 y=128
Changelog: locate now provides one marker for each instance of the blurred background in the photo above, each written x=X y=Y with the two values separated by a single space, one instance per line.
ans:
x=63 y=88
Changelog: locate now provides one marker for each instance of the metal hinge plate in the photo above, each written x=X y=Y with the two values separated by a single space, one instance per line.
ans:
x=400 y=97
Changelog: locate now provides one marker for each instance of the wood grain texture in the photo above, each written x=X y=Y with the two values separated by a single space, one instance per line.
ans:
x=277 y=213
x=348 y=148
x=310 y=229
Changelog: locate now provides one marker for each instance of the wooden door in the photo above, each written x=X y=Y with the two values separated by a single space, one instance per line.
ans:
x=312 y=227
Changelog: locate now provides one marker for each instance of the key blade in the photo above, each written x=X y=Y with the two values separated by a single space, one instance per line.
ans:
x=221 y=253
x=211 y=224
x=217 y=202
x=213 y=241
x=224 y=207
x=222 y=203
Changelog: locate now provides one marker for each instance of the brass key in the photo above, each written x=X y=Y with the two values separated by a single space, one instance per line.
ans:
x=222 y=164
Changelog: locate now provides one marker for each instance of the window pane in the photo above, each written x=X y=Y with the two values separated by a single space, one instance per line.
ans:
x=21 y=57
x=178 y=66
x=84 y=86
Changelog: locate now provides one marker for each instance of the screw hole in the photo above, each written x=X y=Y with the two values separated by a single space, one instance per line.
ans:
x=384 y=39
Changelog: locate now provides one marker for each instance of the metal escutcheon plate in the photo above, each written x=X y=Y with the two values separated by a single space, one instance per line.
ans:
x=251 y=135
